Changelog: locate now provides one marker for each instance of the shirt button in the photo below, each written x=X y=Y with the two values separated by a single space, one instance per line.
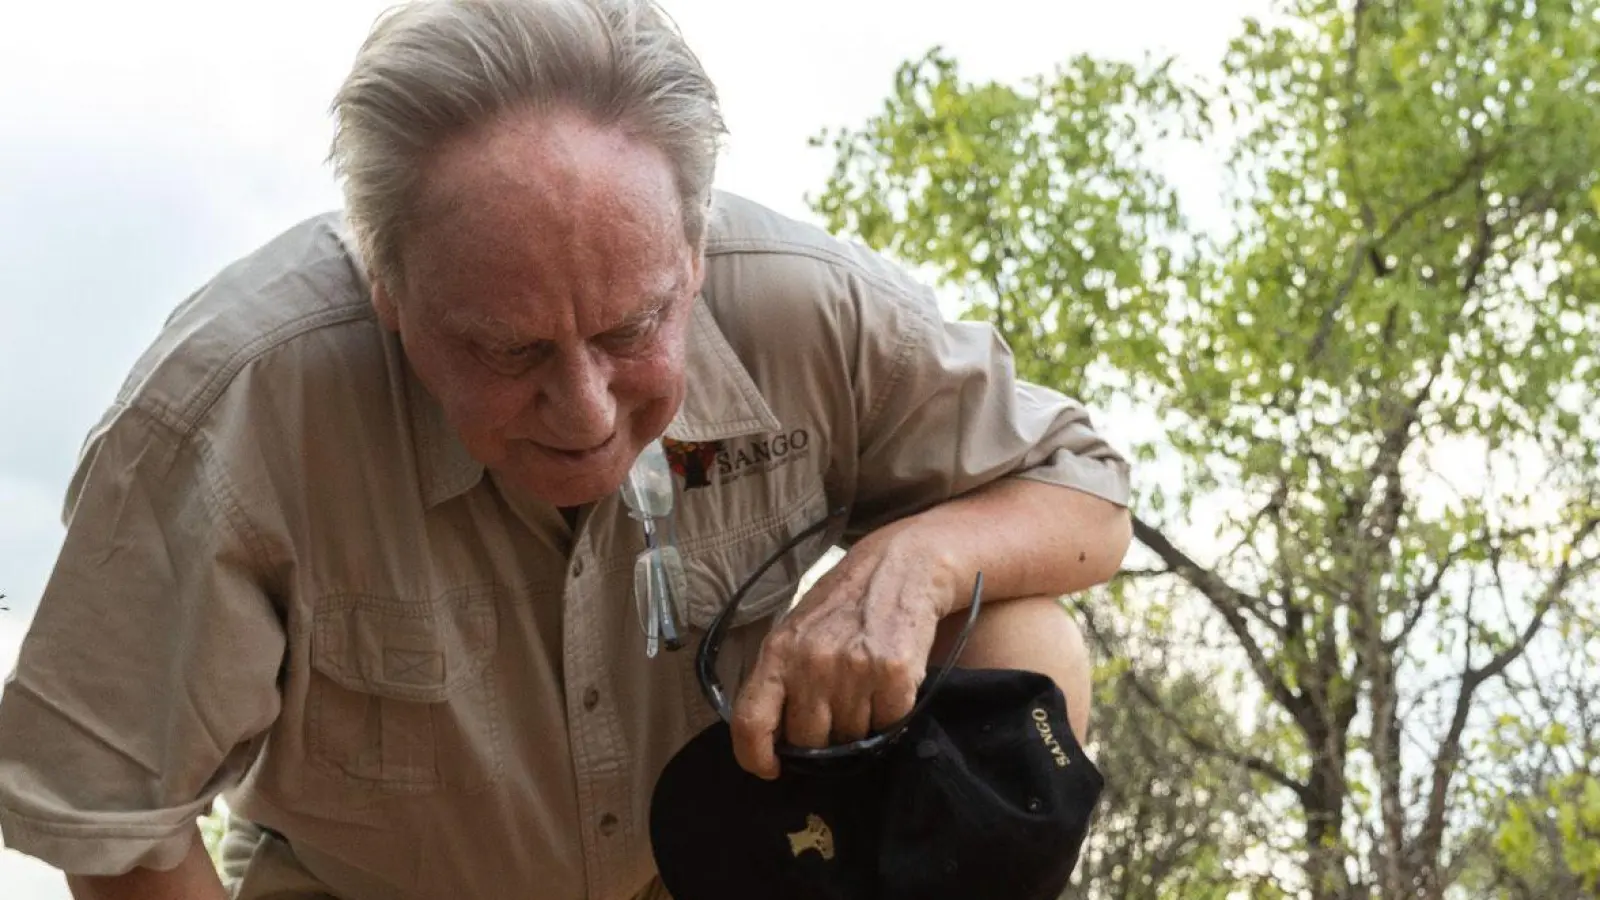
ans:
x=577 y=567
x=591 y=698
x=608 y=824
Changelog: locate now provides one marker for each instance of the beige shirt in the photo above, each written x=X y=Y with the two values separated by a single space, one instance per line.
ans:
x=284 y=579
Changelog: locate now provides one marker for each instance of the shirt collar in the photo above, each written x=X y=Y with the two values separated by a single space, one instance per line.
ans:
x=721 y=401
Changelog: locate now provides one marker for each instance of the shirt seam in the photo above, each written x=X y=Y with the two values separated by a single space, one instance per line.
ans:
x=88 y=829
x=222 y=501
x=907 y=300
x=771 y=246
x=904 y=348
x=233 y=513
x=222 y=376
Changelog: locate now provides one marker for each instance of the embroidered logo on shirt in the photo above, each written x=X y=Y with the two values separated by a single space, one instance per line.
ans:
x=815 y=836
x=765 y=454
x=692 y=460
x=700 y=463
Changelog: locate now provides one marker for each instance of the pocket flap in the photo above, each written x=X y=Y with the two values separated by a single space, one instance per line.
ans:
x=716 y=571
x=407 y=650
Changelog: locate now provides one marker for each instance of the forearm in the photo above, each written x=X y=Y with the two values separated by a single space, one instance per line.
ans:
x=193 y=879
x=1028 y=538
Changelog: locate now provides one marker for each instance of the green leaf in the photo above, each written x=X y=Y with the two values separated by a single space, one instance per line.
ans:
x=1370 y=386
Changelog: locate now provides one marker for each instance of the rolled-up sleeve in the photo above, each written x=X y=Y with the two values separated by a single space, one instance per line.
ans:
x=149 y=671
x=942 y=411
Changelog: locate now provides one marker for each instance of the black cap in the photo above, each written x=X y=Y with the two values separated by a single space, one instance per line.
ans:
x=986 y=793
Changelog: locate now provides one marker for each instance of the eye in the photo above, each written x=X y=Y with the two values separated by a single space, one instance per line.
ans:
x=511 y=357
x=633 y=333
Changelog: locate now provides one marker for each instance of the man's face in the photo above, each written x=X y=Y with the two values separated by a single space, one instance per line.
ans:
x=547 y=286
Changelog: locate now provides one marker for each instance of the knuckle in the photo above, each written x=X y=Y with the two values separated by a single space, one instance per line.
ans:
x=895 y=672
x=819 y=655
x=779 y=644
x=747 y=724
x=858 y=660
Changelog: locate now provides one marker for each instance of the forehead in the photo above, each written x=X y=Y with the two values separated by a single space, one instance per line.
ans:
x=545 y=227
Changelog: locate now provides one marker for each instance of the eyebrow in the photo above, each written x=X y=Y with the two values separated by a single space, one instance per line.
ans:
x=490 y=331
x=480 y=328
x=656 y=304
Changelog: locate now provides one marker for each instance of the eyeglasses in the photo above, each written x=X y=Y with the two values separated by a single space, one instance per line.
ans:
x=818 y=758
x=658 y=575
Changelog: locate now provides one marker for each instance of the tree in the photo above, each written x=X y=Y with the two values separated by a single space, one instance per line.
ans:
x=1174 y=823
x=1377 y=390
x=1543 y=838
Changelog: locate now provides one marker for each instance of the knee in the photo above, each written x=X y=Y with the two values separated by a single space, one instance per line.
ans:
x=1036 y=634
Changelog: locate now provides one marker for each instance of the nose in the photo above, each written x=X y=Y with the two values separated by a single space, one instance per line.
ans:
x=576 y=407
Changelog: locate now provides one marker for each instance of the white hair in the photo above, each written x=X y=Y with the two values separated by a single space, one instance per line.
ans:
x=434 y=69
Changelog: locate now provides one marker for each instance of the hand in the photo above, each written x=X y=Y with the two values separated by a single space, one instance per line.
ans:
x=847 y=661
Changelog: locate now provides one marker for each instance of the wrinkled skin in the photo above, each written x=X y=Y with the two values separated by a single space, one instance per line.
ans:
x=839 y=669
x=544 y=299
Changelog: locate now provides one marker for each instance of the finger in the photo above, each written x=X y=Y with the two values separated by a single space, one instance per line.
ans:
x=808 y=704
x=807 y=721
x=757 y=712
x=895 y=691
x=852 y=705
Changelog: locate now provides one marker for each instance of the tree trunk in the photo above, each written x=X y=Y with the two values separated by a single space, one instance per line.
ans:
x=1323 y=802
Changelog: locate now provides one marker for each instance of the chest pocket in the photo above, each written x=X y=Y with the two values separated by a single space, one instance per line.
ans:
x=719 y=560
x=402 y=698
x=727 y=541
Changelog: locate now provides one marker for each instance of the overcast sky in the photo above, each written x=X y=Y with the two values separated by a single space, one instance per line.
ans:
x=143 y=145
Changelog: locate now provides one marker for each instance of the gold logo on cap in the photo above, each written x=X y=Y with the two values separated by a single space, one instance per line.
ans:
x=1041 y=721
x=815 y=836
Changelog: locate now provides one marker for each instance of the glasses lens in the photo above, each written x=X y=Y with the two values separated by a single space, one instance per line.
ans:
x=659 y=586
x=648 y=490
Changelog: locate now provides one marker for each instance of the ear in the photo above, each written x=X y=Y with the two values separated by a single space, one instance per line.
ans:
x=383 y=303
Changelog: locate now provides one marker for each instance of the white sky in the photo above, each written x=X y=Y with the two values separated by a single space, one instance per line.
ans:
x=143 y=145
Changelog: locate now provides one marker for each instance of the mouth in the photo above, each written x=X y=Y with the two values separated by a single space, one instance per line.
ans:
x=580 y=455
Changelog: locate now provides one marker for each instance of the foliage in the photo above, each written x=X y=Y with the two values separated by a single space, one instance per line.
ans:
x=213 y=825
x=1377 y=446
x=1543 y=836
x=1175 y=821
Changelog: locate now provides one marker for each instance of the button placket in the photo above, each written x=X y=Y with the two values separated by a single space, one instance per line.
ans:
x=580 y=658
x=595 y=733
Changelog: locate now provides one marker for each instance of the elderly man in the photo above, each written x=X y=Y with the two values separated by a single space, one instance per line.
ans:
x=349 y=549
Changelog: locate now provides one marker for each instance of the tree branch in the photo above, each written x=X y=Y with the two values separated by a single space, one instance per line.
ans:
x=1431 y=836
x=1418 y=603
x=1138 y=574
x=1247 y=761
x=1353 y=111
x=1319 y=339
x=1231 y=604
